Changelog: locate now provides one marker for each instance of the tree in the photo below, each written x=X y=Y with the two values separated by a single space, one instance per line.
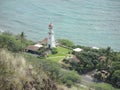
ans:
x=9 y=41
x=115 y=66
x=108 y=53
x=66 y=42
x=22 y=38
x=116 y=78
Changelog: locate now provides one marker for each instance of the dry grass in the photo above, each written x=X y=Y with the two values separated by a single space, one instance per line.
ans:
x=16 y=74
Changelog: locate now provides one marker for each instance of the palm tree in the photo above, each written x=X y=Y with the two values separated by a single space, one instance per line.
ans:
x=108 y=53
x=22 y=38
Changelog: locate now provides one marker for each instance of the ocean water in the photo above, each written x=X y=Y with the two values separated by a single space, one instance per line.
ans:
x=85 y=22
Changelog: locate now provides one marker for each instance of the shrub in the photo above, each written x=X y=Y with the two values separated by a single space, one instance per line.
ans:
x=51 y=68
x=97 y=75
x=102 y=86
x=88 y=61
x=54 y=50
x=55 y=72
x=116 y=78
x=69 y=83
x=66 y=42
x=69 y=77
x=12 y=42
x=9 y=42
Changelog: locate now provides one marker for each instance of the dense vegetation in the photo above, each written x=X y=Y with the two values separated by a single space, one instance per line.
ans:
x=105 y=61
x=14 y=43
x=15 y=74
x=54 y=71
x=54 y=50
x=66 y=43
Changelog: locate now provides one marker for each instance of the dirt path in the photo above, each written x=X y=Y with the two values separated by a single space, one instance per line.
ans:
x=88 y=79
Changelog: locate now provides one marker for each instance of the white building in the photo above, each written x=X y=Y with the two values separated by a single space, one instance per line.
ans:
x=77 y=50
x=51 y=38
x=95 y=48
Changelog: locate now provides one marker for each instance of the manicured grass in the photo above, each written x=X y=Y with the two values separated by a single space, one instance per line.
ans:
x=62 y=53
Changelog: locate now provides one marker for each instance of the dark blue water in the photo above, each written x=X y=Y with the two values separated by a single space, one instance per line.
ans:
x=85 y=22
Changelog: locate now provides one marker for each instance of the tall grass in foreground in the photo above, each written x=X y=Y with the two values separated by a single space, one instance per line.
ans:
x=16 y=74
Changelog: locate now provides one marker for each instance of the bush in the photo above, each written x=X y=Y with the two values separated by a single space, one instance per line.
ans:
x=69 y=83
x=115 y=66
x=97 y=75
x=66 y=42
x=54 y=51
x=116 y=78
x=9 y=42
x=12 y=42
x=69 y=77
x=51 y=68
x=55 y=72
x=88 y=62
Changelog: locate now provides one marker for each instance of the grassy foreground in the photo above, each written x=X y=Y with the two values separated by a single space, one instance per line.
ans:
x=17 y=74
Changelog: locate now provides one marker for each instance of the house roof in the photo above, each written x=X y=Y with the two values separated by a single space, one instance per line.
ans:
x=104 y=71
x=102 y=58
x=33 y=48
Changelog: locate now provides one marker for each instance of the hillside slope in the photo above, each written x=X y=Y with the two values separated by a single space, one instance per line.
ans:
x=16 y=74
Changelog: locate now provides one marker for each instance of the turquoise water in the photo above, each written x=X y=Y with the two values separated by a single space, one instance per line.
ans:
x=85 y=22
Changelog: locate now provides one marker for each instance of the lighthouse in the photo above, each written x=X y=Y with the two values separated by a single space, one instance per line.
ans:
x=51 y=38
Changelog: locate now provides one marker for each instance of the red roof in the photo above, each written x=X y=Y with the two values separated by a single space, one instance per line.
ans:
x=50 y=26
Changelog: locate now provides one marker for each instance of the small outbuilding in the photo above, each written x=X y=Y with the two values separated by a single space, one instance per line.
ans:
x=77 y=50
x=95 y=48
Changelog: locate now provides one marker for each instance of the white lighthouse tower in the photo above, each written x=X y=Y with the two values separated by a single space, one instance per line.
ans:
x=51 y=38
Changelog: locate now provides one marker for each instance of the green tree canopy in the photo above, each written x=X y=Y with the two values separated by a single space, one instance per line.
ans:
x=66 y=42
x=116 y=78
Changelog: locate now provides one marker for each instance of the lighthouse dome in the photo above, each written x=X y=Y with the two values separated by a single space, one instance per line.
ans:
x=50 y=26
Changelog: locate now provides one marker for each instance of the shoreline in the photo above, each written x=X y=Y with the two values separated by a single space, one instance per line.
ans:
x=86 y=45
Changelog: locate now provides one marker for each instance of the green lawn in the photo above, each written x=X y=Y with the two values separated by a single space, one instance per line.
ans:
x=103 y=86
x=62 y=53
